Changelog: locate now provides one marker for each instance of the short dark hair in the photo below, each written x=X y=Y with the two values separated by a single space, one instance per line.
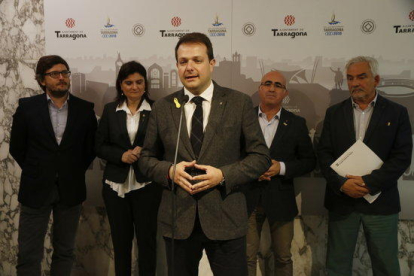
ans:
x=127 y=69
x=44 y=64
x=196 y=38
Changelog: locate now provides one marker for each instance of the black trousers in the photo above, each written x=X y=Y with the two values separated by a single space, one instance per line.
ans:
x=136 y=213
x=226 y=257
x=32 y=231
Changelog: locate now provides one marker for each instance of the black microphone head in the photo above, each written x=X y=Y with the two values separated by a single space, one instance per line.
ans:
x=185 y=99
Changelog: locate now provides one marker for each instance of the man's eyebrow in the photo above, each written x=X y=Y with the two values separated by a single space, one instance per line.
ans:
x=360 y=75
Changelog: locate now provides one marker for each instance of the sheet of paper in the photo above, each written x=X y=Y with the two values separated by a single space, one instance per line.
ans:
x=358 y=160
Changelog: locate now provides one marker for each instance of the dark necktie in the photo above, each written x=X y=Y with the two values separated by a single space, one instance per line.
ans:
x=197 y=126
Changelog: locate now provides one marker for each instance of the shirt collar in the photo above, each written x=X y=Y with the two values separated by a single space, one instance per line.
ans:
x=372 y=103
x=49 y=99
x=206 y=94
x=277 y=116
x=124 y=107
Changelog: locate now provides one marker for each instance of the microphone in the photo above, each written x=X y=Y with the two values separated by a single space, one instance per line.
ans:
x=181 y=106
x=178 y=105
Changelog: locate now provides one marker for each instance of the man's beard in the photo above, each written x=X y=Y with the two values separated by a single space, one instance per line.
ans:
x=58 y=93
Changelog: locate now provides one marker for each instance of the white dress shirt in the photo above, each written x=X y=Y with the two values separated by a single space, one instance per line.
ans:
x=269 y=129
x=132 y=122
x=362 y=117
x=190 y=107
x=58 y=117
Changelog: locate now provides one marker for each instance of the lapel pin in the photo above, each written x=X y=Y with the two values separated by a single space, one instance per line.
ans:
x=285 y=123
x=389 y=123
x=177 y=104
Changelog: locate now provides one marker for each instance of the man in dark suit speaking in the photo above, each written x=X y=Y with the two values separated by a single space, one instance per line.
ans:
x=273 y=195
x=52 y=140
x=220 y=137
x=385 y=128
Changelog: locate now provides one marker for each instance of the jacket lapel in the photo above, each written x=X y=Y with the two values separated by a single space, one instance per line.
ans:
x=122 y=122
x=44 y=113
x=349 y=119
x=375 y=118
x=176 y=112
x=218 y=104
x=284 y=124
x=71 y=121
x=139 y=137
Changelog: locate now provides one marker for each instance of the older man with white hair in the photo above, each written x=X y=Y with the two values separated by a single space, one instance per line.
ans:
x=385 y=128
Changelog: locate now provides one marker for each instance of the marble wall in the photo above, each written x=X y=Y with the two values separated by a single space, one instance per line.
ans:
x=21 y=45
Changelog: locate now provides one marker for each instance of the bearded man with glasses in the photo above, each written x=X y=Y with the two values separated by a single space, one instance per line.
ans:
x=52 y=140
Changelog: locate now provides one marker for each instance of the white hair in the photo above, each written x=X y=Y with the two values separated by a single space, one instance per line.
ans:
x=372 y=62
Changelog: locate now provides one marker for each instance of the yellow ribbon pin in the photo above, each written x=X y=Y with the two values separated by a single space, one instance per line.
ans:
x=177 y=104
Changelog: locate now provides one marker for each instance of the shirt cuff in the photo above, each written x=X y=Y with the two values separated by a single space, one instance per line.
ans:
x=282 y=168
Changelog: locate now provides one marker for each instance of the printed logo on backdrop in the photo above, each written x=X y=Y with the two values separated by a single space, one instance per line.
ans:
x=293 y=106
x=138 y=30
x=368 y=26
x=70 y=23
x=289 y=20
x=109 y=30
x=405 y=29
x=218 y=28
x=175 y=22
x=249 y=29
x=286 y=100
x=333 y=28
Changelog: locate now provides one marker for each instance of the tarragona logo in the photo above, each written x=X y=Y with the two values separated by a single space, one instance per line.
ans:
x=70 y=22
x=411 y=15
x=176 y=21
x=289 y=20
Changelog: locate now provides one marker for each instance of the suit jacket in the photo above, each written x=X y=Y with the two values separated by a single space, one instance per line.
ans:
x=232 y=142
x=388 y=135
x=44 y=163
x=291 y=145
x=112 y=141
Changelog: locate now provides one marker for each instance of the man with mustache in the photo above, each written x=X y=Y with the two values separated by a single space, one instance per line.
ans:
x=385 y=128
x=272 y=196
x=52 y=140
x=222 y=142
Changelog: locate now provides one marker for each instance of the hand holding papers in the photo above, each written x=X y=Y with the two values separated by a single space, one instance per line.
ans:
x=358 y=160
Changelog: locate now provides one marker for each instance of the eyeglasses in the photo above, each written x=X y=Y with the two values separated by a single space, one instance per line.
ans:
x=276 y=84
x=56 y=74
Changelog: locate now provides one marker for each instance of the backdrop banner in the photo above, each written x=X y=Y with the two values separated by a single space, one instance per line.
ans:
x=309 y=41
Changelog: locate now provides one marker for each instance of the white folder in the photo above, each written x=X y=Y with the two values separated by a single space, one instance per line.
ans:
x=358 y=160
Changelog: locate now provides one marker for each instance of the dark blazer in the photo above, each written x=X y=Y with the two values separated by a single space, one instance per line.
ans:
x=291 y=145
x=112 y=141
x=33 y=145
x=388 y=135
x=233 y=142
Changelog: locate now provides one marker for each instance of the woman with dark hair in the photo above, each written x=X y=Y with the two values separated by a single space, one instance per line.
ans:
x=131 y=200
